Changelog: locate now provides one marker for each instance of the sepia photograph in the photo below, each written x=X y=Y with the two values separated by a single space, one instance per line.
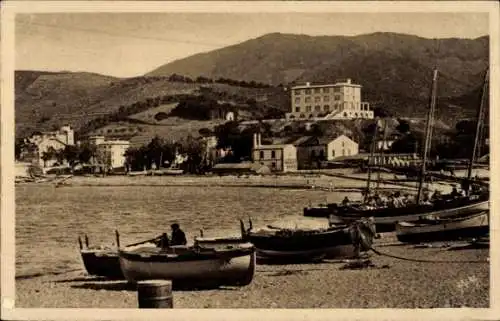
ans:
x=253 y=155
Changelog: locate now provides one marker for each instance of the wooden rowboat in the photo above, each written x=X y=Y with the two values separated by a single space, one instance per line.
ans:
x=439 y=229
x=285 y=245
x=103 y=260
x=191 y=266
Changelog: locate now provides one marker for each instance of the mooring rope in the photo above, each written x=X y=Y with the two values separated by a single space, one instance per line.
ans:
x=426 y=261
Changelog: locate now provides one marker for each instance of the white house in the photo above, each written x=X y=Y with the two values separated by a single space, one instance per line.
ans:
x=311 y=150
x=109 y=153
x=277 y=157
x=53 y=140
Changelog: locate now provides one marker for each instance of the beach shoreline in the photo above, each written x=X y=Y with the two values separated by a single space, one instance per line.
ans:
x=391 y=283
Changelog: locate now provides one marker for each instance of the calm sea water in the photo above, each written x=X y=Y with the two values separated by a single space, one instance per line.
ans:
x=49 y=220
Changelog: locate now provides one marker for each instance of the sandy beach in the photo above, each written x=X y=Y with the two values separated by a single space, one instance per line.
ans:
x=392 y=283
x=49 y=271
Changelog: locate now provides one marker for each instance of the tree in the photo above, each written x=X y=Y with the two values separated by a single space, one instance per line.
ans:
x=46 y=156
x=71 y=154
x=155 y=151
x=403 y=127
x=86 y=153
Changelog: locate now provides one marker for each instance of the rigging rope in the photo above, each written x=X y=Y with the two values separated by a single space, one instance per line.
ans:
x=426 y=261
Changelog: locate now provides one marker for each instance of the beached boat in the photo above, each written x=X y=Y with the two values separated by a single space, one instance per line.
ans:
x=439 y=229
x=103 y=260
x=386 y=218
x=192 y=266
x=275 y=243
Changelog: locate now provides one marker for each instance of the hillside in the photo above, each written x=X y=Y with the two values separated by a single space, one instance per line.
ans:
x=394 y=69
x=47 y=100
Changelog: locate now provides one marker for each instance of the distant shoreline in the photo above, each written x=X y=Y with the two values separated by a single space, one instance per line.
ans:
x=338 y=181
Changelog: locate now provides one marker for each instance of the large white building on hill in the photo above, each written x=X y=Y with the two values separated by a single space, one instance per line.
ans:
x=341 y=100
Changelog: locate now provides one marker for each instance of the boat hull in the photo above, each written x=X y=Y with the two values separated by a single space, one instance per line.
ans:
x=102 y=263
x=339 y=251
x=388 y=223
x=444 y=230
x=303 y=246
x=236 y=270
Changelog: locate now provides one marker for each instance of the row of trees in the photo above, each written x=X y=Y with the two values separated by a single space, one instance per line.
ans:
x=160 y=153
x=206 y=80
x=202 y=108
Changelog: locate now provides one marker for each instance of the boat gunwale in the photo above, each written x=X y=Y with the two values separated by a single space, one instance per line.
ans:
x=193 y=256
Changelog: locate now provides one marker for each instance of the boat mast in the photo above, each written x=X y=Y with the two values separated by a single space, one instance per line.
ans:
x=428 y=134
x=381 y=154
x=480 y=116
x=370 y=159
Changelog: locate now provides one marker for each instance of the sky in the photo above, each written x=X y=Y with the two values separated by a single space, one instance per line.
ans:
x=131 y=44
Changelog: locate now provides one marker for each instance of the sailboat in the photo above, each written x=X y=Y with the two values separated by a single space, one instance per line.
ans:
x=386 y=217
x=457 y=227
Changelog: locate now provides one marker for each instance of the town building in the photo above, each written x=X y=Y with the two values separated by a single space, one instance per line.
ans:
x=341 y=100
x=110 y=154
x=277 y=157
x=48 y=143
x=311 y=151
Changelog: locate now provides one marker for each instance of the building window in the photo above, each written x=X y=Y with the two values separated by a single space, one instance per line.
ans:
x=333 y=153
x=273 y=154
x=326 y=98
x=308 y=99
x=308 y=91
x=302 y=116
x=326 y=108
x=317 y=90
x=297 y=91
x=261 y=154
x=317 y=108
x=308 y=108
x=343 y=144
x=317 y=99
x=297 y=109
x=336 y=89
x=337 y=97
x=326 y=90
x=273 y=164
x=297 y=100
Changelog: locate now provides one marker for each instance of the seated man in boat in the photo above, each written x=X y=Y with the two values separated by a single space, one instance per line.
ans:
x=346 y=201
x=178 y=237
x=454 y=193
x=436 y=195
x=398 y=200
x=390 y=201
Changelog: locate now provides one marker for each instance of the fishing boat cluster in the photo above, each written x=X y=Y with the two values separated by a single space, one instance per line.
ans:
x=350 y=229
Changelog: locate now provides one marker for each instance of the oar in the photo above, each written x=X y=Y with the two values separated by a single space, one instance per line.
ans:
x=142 y=242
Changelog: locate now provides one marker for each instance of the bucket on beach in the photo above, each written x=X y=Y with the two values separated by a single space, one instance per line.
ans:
x=155 y=294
